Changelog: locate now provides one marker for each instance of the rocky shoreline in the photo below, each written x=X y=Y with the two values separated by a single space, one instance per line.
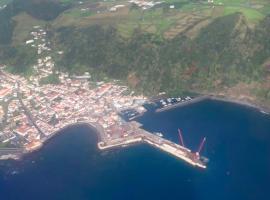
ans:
x=259 y=106
x=252 y=104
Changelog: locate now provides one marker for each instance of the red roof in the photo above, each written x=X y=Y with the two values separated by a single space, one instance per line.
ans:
x=4 y=92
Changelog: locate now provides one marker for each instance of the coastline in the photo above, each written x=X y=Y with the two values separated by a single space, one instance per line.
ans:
x=258 y=106
x=91 y=126
x=254 y=105
x=100 y=132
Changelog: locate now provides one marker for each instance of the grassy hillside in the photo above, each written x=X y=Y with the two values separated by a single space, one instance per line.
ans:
x=217 y=57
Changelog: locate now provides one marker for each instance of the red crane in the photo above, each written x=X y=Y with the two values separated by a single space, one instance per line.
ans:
x=201 y=146
x=181 y=140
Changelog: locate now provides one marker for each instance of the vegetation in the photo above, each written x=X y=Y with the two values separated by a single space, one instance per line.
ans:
x=20 y=60
x=217 y=57
x=51 y=79
x=4 y=145
x=196 y=46
x=19 y=57
x=39 y=9
x=6 y=25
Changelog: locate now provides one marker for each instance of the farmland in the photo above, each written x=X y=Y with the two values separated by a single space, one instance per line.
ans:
x=168 y=19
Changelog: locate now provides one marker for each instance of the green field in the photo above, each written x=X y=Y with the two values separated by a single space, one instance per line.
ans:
x=251 y=14
x=161 y=19
x=254 y=10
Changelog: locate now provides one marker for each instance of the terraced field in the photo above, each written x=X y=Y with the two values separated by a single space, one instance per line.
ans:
x=187 y=17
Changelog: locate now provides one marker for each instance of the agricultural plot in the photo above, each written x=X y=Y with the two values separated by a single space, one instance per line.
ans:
x=254 y=10
x=169 y=19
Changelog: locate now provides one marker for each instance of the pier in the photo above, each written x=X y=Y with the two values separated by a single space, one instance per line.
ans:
x=185 y=103
x=140 y=136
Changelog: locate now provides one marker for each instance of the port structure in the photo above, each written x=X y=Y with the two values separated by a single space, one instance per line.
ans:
x=201 y=146
x=181 y=140
x=140 y=135
x=196 y=155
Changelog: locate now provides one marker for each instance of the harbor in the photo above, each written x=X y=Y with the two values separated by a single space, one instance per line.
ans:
x=40 y=113
x=140 y=136
x=138 y=165
x=170 y=103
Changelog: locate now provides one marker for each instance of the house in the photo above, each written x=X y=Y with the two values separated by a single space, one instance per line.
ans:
x=4 y=92
x=29 y=41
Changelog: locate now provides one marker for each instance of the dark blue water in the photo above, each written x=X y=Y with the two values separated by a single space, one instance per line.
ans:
x=70 y=167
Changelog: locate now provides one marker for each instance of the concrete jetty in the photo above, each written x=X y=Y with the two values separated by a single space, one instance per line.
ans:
x=141 y=136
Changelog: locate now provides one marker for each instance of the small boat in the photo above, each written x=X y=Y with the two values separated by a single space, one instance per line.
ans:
x=14 y=172
x=204 y=159
x=158 y=134
x=264 y=112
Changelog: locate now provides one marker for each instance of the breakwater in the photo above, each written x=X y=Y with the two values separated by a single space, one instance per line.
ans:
x=141 y=136
x=185 y=103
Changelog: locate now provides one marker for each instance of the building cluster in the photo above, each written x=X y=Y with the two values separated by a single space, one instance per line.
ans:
x=52 y=107
x=38 y=39
x=116 y=7
x=45 y=63
x=11 y=116
x=145 y=4
x=31 y=112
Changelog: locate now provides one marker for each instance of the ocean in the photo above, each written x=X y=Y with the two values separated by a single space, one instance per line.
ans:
x=70 y=167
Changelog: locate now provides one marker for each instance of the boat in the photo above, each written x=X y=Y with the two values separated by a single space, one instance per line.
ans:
x=204 y=159
x=158 y=134
x=264 y=112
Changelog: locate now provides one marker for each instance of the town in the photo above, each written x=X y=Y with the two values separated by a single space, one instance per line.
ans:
x=54 y=107
x=33 y=109
x=30 y=112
